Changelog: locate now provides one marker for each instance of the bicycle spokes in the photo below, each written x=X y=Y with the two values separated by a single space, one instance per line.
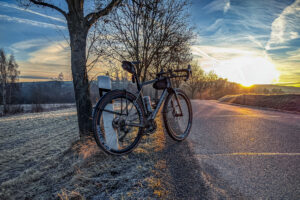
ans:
x=119 y=123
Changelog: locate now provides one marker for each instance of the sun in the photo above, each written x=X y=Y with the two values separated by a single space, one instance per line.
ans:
x=248 y=70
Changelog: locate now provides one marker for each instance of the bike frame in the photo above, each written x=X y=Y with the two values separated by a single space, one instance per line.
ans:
x=162 y=98
x=169 y=89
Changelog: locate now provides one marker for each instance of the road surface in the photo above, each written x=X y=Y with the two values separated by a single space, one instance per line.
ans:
x=256 y=152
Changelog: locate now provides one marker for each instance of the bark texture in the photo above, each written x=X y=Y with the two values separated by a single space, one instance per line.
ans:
x=80 y=78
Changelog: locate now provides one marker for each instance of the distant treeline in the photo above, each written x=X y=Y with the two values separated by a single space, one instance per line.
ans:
x=207 y=85
x=53 y=92
x=43 y=92
x=201 y=86
x=219 y=87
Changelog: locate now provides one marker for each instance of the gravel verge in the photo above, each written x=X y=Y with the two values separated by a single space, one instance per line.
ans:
x=43 y=158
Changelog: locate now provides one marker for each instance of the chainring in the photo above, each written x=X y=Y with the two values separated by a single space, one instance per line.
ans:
x=151 y=128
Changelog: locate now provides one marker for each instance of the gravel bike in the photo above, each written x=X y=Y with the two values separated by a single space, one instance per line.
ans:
x=121 y=118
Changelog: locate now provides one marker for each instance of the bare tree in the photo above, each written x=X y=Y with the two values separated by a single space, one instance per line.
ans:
x=154 y=32
x=196 y=81
x=13 y=76
x=60 y=77
x=79 y=25
x=8 y=76
x=3 y=78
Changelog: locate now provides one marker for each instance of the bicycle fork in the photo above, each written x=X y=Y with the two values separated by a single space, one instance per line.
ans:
x=175 y=113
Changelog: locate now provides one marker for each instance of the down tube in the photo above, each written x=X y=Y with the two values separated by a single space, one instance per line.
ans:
x=161 y=100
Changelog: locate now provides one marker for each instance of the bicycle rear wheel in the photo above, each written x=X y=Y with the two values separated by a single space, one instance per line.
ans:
x=117 y=122
x=178 y=120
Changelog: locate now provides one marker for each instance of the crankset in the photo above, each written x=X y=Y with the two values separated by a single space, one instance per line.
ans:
x=150 y=128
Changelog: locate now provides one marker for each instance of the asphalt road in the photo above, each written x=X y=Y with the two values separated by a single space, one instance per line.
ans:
x=256 y=152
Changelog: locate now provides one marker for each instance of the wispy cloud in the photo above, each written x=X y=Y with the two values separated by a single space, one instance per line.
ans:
x=215 y=26
x=286 y=26
x=48 y=61
x=212 y=56
x=31 y=11
x=294 y=56
x=217 y=5
x=24 y=45
x=57 y=54
x=30 y=22
x=227 y=6
x=226 y=52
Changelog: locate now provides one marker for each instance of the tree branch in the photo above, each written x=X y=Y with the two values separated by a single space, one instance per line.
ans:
x=93 y=17
x=41 y=3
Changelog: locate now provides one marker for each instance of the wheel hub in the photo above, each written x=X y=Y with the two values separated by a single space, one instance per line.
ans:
x=119 y=123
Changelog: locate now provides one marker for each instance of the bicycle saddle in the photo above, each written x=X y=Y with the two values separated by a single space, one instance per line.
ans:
x=129 y=66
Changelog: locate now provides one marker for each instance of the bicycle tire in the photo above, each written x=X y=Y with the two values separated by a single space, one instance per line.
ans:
x=167 y=119
x=98 y=113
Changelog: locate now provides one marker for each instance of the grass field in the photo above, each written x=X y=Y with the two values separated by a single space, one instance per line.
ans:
x=288 y=102
x=43 y=158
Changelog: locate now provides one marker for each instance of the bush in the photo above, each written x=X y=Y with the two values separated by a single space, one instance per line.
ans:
x=37 y=108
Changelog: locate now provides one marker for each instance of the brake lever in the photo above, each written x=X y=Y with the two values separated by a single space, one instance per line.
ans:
x=190 y=70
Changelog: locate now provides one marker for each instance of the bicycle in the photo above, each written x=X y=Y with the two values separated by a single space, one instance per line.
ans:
x=121 y=118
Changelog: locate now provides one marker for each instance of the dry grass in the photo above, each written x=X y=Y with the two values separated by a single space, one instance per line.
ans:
x=43 y=158
x=288 y=102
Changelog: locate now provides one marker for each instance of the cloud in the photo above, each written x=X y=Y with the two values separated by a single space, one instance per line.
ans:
x=54 y=54
x=286 y=26
x=255 y=41
x=206 y=61
x=30 y=22
x=216 y=25
x=294 y=56
x=48 y=61
x=31 y=11
x=24 y=45
x=218 y=54
x=217 y=5
x=241 y=65
x=227 y=6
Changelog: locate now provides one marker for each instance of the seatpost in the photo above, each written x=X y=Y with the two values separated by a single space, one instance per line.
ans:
x=137 y=82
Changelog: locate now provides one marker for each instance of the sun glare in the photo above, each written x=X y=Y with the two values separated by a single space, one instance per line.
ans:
x=248 y=70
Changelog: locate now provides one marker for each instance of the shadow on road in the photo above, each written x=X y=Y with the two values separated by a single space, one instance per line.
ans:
x=192 y=181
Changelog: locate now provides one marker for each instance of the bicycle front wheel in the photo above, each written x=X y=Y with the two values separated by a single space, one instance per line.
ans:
x=178 y=115
x=117 y=122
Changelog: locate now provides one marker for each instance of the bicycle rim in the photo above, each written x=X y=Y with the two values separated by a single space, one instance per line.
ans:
x=112 y=130
x=178 y=121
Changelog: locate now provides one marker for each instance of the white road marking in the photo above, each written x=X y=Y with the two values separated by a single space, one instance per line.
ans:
x=247 y=154
x=238 y=115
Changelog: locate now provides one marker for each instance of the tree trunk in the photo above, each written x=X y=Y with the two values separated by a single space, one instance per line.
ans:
x=4 y=96
x=78 y=37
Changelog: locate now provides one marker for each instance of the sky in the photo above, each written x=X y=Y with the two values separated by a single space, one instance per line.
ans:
x=249 y=42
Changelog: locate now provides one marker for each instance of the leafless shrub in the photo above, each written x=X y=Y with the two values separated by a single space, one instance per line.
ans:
x=37 y=108
x=14 y=109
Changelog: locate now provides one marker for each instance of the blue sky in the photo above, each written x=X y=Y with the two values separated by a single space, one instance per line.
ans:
x=245 y=41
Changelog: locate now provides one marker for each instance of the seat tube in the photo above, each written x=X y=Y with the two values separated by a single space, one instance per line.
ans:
x=140 y=92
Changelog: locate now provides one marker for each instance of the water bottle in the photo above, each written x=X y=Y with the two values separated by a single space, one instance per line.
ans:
x=147 y=102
